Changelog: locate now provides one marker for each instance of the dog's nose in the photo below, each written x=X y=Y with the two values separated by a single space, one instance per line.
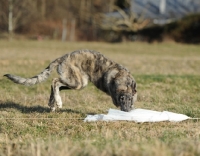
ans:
x=126 y=109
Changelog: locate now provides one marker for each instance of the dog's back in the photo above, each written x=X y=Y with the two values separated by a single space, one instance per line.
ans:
x=83 y=66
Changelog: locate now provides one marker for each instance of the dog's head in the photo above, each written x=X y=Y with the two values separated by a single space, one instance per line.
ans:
x=126 y=97
x=125 y=94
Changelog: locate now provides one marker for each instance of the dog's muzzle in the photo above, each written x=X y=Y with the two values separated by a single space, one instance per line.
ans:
x=126 y=102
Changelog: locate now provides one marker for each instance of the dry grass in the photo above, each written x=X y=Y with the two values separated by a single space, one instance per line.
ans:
x=168 y=79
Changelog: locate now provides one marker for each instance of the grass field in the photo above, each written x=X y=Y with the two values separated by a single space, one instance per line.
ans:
x=168 y=78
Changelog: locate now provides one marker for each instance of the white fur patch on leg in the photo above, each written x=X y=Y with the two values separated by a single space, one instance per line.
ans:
x=58 y=99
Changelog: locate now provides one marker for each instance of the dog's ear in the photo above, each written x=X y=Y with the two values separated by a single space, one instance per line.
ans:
x=134 y=86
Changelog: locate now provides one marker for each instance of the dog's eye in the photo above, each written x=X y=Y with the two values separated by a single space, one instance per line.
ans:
x=122 y=97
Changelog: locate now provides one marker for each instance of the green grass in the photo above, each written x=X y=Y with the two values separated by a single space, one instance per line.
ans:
x=168 y=77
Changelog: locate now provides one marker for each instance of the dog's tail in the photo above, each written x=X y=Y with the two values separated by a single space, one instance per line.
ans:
x=36 y=79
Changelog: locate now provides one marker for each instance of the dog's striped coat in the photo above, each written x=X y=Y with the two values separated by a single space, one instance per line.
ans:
x=77 y=68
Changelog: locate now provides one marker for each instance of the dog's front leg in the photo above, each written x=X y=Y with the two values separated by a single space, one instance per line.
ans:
x=55 y=96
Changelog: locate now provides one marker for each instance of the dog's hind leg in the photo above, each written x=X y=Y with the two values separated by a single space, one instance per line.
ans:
x=52 y=100
x=55 y=95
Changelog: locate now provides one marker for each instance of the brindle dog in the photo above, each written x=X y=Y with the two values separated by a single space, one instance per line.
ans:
x=77 y=68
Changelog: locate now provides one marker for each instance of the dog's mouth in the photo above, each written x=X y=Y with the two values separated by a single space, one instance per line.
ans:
x=126 y=109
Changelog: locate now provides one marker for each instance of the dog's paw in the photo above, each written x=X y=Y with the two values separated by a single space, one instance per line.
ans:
x=59 y=104
x=52 y=109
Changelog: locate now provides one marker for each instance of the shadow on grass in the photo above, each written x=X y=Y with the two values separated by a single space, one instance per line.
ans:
x=32 y=109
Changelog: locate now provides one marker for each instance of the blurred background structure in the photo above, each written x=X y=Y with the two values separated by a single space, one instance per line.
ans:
x=101 y=20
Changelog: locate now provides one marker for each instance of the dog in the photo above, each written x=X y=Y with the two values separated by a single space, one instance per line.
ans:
x=76 y=69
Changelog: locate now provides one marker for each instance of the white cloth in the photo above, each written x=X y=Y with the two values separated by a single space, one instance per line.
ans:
x=137 y=115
